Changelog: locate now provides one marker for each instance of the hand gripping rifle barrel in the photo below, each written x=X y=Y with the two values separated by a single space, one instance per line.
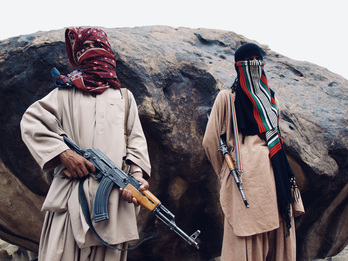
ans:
x=110 y=175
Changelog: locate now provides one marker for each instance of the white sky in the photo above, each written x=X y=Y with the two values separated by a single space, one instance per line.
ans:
x=307 y=30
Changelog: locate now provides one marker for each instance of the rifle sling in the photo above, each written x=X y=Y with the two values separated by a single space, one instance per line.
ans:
x=236 y=138
x=126 y=112
x=124 y=94
x=86 y=213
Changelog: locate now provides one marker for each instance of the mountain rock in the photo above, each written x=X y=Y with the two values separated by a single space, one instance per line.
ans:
x=175 y=75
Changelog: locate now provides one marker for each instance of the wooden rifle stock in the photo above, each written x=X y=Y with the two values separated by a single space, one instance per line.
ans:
x=229 y=161
x=149 y=201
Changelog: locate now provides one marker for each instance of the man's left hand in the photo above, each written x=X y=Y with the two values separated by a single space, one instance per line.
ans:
x=127 y=194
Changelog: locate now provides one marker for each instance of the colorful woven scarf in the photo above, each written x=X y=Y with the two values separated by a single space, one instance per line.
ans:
x=97 y=70
x=257 y=113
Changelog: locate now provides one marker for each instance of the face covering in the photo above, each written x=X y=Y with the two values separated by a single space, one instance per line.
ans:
x=97 y=63
x=257 y=113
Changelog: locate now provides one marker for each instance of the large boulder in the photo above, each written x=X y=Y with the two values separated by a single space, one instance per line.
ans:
x=175 y=75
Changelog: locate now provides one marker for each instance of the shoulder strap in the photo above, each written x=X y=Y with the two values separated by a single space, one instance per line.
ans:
x=86 y=213
x=236 y=137
x=124 y=93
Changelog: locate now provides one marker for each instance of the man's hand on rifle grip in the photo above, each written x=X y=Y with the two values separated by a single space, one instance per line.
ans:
x=76 y=165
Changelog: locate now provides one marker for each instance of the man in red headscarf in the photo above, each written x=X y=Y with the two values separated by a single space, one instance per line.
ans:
x=89 y=48
x=247 y=117
x=89 y=107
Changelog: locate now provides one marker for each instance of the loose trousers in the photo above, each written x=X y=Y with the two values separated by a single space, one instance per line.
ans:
x=270 y=246
x=57 y=243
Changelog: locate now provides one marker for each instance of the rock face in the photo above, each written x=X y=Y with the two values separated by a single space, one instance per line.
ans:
x=175 y=75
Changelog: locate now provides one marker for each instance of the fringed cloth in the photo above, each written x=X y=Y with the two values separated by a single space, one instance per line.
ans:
x=257 y=113
x=97 y=70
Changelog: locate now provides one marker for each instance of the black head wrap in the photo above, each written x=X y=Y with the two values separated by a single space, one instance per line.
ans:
x=246 y=51
x=245 y=117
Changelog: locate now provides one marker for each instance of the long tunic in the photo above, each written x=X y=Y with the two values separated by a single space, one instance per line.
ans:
x=91 y=122
x=258 y=178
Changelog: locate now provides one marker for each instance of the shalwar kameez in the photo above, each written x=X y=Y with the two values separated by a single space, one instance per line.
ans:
x=91 y=120
x=261 y=232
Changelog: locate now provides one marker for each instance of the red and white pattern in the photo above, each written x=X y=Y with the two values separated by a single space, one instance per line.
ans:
x=97 y=63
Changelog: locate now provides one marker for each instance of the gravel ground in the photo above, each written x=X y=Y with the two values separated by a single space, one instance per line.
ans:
x=343 y=256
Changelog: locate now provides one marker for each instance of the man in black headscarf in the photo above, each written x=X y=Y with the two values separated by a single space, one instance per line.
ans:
x=266 y=230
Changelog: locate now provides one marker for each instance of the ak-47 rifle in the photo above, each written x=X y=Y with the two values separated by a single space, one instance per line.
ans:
x=110 y=175
x=229 y=161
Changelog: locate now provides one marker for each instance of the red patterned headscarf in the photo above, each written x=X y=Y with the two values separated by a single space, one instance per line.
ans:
x=97 y=70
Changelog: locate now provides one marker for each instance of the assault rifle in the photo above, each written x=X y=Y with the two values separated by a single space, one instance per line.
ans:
x=109 y=175
x=229 y=161
x=224 y=150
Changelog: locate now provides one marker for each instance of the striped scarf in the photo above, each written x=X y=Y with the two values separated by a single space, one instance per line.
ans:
x=257 y=113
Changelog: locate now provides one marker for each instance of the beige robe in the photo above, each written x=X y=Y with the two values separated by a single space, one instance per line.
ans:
x=258 y=178
x=91 y=122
